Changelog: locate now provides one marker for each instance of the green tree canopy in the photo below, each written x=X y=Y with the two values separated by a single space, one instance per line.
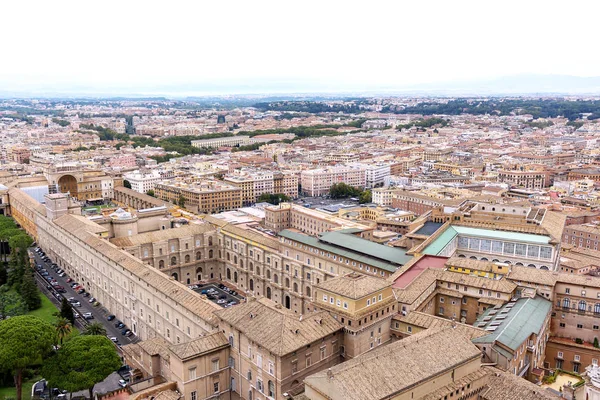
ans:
x=81 y=363
x=127 y=184
x=273 y=198
x=24 y=342
x=63 y=328
x=342 y=190
x=11 y=303
x=95 y=328
x=150 y=193
x=365 y=197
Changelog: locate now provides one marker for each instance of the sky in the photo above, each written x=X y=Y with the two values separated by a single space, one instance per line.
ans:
x=251 y=46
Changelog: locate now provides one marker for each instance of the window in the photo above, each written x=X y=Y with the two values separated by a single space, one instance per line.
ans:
x=271 y=368
x=325 y=297
x=308 y=360
x=216 y=387
x=323 y=353
x=579 y=326
x=409 y=329
x=271 y=389
x=193 y=395
x=259 y=360
x=577 y=358
x=345 y=305
x=560 y=354
x=294 y=366
x=562 y=324
x=441 y=310
x=441 y=300
x=192 y=373
x=259 y=385
x=215 y=365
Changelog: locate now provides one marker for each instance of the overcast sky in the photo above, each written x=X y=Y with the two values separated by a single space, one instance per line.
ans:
x=140 y=45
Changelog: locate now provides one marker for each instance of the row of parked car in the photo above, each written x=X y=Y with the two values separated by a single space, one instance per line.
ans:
x=55 y=287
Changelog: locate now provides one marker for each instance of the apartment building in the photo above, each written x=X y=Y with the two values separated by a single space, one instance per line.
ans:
x=253 y=184
x=584 y=236
x=122 y=161
x=420 y=203
x=205 y=196
x=19 y=155
x=286 y=182
x=375 y=173
x=143 y=181
x=532 y=179
x=383 y=196
x=228 y=141
x=584 y=173
x=317 y=182
x=273 y=349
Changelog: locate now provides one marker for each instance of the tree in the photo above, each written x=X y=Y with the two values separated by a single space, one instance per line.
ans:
x=596 y=344
x=127 y=184
x=181 y=201
x=30 y=292
x=95 y=328
x=63 y=328
x=150 y=193
x=24 y=342
x=66 y=311
x=365 y=197
x=342 y=190
x=273 y=198
x=81 y=363
x=11 y=304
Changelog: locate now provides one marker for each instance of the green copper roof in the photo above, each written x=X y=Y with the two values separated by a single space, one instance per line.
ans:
x=514 y=324
x=438 y=244
x=354 y=248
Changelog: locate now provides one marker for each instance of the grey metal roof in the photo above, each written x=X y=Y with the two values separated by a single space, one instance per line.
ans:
x=354 y=248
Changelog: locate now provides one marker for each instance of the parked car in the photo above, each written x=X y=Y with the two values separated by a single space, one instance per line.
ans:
x=221 y=301
x=81 y=291
x=61 y=290
x=88 y=315
x=110 y=317
x=122 y=383
x=128 y=334
x=119 y=324
x=62 y=274
x=69 y=280
x=125 y=331
x=76 y=304
x=75 y=314
x=114 y=339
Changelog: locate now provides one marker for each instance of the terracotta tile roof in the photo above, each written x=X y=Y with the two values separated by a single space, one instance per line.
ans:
x=394 y=368
x=354 y=285
x=506 y=386
x=158 y=236
x=445 y=391
x=531 y=275
x=199 y=346
x=155 y=346
x=428 y=321
x=277 y=329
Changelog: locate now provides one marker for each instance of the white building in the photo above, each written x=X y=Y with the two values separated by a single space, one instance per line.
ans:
x=375 y=174
x=383 y=196
x=143 y=181
x=317 y=182
x=228 y=141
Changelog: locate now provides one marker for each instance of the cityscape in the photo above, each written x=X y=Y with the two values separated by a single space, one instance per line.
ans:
x=200 y=213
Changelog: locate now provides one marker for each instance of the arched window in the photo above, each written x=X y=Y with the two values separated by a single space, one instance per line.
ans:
x=235 y=276
x=199 y=273
x=228 y=257
x=199 y=255
x=582 y=305
x=597 y=308
x=257 y=271
x=187 y=258
x=473 y=258
x=275 y=278
x=519 y=264
x=161 y=264
x=268 y=274
x=235 y=259
x=173 y=260
x=287 y=282
x=462 y=256
x=251 y=284
x=228 y=274
x=531 y=265
x=210 y=254
x=484 y=259
x=175 y=276
x=295 y=287
x=268 y=293
x=241 y=263
x=308 y=292
x=210 y=240
x=566 y=303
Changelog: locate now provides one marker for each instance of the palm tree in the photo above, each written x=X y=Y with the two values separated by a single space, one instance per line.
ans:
x=95 y=328
x=63 y=328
